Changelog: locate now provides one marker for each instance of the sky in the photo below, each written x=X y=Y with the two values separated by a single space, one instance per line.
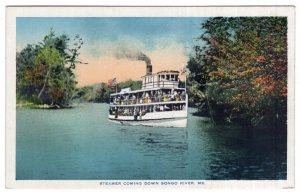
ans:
x=167 y=41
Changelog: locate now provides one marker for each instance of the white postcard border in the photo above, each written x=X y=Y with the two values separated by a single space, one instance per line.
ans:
x=126 y=11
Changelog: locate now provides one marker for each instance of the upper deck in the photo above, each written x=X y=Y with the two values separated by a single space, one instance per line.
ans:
x=158 y=90
x=163 y=79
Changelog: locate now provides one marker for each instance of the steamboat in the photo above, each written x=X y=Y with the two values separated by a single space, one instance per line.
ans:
x=160 y=102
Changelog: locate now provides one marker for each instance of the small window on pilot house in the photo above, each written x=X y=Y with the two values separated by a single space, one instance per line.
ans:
x=176 y=77
x=172 y=78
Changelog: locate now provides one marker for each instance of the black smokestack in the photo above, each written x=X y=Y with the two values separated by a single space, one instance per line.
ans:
x=121 y=53
x=149 y=70
x=143 y=57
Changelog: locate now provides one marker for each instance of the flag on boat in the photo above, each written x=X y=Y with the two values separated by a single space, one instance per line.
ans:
x=112 y=82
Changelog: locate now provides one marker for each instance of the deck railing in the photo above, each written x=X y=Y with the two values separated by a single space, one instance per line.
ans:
x=149 y=100
x=166 y=83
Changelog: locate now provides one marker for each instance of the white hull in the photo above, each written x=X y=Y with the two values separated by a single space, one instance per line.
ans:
x=156 y=119
x=155 y=123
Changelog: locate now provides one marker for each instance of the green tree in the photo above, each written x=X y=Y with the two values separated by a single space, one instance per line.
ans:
x=25 y=62
x=45 y=71
x=102 y=93
x=196 y=81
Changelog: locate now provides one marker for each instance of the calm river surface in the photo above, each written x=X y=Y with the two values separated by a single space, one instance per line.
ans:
x=80 y=143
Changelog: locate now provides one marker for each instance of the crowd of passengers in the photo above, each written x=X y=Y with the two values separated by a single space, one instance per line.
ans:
x=149 y=97
x=142 y=110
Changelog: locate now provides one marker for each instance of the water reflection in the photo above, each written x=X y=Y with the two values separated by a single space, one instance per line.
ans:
x=167 y=144
x=245 y=153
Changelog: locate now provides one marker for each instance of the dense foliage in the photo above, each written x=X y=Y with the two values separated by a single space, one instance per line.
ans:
x=44 y=70
x=239 y=69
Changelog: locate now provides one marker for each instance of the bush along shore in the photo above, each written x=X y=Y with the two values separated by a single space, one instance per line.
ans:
x=30 y=105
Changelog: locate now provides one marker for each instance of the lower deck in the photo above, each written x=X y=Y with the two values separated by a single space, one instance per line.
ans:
x=173 y=122
x=162 y=118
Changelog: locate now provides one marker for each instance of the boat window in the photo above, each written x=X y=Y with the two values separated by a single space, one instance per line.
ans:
x=168 y=77
x=162 y=77
x=176 y=77
x=172 y=77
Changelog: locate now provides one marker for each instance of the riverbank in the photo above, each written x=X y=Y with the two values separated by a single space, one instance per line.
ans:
x=30 y=105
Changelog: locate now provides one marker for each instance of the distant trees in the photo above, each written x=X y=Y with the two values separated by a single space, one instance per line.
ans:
x=99 y=93
x=44 y=70
x=241 y=67
x=134 y=85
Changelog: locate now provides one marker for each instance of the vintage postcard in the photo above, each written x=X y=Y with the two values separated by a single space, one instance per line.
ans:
x=150 y=97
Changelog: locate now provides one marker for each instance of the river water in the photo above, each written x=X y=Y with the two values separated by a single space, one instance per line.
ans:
x=81 y=144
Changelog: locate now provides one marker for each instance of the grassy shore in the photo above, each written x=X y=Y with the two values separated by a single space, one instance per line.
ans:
x=30 y=105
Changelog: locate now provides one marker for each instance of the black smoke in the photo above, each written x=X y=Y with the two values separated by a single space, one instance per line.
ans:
x=123 y=53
